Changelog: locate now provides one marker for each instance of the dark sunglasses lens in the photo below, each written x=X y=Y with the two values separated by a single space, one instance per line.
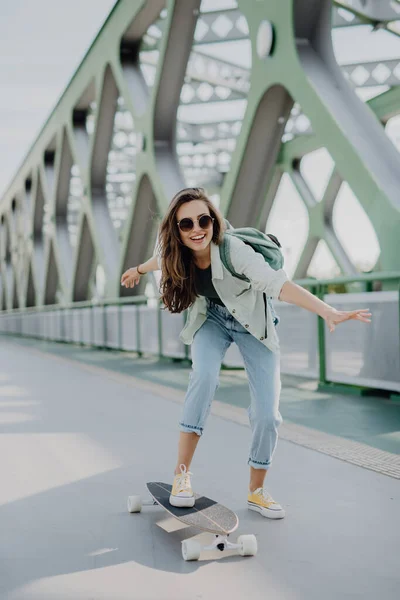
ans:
x=186 y=224
x=205 y=221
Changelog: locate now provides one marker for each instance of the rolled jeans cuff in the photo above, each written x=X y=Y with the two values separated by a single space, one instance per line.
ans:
x=190 y=429
x=258 y=465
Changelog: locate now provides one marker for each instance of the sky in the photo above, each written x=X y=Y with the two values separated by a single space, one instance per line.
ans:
x=42 y=42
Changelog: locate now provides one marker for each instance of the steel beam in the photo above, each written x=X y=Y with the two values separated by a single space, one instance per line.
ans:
x=99 y=177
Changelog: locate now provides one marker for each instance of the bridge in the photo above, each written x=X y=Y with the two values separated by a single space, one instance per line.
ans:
x=288 y=114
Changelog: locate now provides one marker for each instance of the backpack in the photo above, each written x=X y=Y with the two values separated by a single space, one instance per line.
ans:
x=263 y=243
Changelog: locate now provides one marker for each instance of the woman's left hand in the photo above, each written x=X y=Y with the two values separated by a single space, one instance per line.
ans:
x=333 y=317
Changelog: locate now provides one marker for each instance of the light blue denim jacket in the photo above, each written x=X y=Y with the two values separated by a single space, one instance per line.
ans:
x=243 y=299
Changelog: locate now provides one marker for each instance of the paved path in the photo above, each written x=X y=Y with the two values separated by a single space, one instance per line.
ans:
x=76 y=440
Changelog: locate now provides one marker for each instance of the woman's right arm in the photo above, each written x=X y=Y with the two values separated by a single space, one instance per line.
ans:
x=131 y=277
x=150 y=265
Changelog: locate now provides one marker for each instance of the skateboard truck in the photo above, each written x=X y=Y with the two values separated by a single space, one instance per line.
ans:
x=207 y=516
x=222 y=543
x=246 y=546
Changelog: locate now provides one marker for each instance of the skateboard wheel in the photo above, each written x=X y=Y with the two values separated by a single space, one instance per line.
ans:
x=134 y=504
x=248 y=545
x=191 y=550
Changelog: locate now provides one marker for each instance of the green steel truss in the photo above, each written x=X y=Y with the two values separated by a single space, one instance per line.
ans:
x=86 y=202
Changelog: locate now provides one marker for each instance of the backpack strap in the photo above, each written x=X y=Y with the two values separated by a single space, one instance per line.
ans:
x=225 y=254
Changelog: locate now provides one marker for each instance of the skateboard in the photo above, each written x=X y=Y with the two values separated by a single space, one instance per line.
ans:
x=206 y=515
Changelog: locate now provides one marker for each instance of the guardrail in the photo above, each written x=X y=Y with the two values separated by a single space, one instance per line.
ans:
x=358 y=356
x=321 y=289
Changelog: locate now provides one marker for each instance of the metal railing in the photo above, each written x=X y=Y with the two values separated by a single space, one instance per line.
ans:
x=321 y=287
x=131 y=324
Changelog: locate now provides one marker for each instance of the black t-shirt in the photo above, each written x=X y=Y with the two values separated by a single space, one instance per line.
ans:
x=204 y=285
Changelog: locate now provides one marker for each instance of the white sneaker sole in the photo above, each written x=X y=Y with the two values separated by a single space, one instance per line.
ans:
x=267 y=512
x=182 y=501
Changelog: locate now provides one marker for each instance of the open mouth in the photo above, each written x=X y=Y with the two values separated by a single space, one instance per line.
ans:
x=198 y=239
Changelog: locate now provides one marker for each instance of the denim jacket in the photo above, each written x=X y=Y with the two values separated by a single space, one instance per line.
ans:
x=243 y=299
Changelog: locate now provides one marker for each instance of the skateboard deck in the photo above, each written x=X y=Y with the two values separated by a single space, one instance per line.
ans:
x=206 y=514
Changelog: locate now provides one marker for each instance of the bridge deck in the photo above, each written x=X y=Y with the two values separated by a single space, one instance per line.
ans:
x=82 y=429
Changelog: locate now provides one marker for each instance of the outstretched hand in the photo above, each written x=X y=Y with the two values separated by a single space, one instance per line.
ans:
x=335 y=317
x=130 y=278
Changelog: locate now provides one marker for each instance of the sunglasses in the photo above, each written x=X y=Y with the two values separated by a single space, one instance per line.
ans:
x=205 y=221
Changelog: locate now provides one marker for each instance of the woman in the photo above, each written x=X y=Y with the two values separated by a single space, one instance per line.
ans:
x=223 y=309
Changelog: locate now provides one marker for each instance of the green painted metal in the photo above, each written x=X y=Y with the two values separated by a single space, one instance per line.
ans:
x=364 y=277
x=321 y=340
x=318 y=288
x=43 y=271
x=111 y=68
x=159 y=331
x=138 y=336
x=353 y=390
x=104 y=323
x=384 y=107
x=284 y=69
x=81 y=332
x=119 y=326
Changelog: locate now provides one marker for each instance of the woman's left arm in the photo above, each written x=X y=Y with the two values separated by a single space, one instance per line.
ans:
x=295 y=294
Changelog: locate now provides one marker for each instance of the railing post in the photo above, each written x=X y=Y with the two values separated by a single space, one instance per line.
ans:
x=119 y=309
x=138 y=330
x=321 y=340
x=104 y=321
x=81 y=329
x=159 y=323
x=92 y=324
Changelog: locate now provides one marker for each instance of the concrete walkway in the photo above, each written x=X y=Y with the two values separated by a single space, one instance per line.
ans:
x=76 y=440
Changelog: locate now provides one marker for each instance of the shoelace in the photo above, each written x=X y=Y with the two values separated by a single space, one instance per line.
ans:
x=265 y=496
x=183 y=481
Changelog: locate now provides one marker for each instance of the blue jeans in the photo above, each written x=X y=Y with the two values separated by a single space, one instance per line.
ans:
x=262 y=366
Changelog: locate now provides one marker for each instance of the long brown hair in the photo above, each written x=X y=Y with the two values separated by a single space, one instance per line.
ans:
x=177 y=265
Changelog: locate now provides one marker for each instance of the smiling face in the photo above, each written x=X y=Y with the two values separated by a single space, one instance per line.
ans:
x=197 y=239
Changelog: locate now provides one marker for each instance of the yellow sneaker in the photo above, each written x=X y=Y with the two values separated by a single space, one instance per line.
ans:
x=262 y=502
x=182 y=493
